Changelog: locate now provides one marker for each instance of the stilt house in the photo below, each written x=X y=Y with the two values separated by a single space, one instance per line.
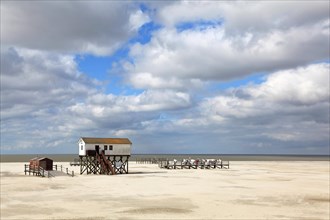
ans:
x=104 y=155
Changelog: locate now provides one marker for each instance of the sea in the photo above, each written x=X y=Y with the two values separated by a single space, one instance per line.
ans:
x=138 y=157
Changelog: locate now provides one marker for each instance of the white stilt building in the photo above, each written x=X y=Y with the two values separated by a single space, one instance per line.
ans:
x=104 y=155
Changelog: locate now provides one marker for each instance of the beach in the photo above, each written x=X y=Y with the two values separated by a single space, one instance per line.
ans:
x=248 y=190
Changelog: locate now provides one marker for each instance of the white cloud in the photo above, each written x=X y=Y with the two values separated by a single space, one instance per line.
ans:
x=242 y=17
x=176 y=58
x=282 y=92
x=100 y=105
x=147 y=80
x=95 y=27
x=303 y=86
x=44 y=96
x=291 y=105
x=137 y=19
x=30 y=79
x=288 y=112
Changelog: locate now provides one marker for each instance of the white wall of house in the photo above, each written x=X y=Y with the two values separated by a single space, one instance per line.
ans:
x=81 y=145
x=117 y=149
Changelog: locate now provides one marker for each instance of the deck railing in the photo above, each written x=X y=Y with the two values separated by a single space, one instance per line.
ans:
x=149 y=160
x=174 y=164
x=39 y=171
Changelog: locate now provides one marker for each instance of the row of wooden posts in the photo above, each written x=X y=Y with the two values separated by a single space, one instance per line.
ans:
x=39 y=171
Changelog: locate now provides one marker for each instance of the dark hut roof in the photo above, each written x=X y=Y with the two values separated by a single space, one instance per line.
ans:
x=40 y=158
x=89 y=140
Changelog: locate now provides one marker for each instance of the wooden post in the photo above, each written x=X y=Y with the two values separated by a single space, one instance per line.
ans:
x=67 y=171
x=80 y=157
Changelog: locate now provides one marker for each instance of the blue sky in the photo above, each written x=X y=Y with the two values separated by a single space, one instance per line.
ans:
x=174 y=77
x=103 y=67
x=197 y=25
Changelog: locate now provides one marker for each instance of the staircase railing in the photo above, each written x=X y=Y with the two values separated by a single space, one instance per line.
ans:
x=108 y=164
x=98 y=158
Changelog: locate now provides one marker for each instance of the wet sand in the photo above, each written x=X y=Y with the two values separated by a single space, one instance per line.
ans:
x=248 y=190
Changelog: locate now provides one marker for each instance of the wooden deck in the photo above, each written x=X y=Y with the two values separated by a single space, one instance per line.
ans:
x=180 y=165
x=39 y=171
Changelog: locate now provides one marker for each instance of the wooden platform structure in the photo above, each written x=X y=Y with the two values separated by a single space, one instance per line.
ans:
x=194 y=164
x=99 y=163
x=40 y=171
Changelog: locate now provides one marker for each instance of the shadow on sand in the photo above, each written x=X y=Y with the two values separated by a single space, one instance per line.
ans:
x=145 y=172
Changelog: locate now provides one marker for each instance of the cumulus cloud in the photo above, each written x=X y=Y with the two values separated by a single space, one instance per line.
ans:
x=288 y=112
x=291 y=105
x=137 y=19
x=147 y=80
x=282 y=91
x=96 y=27
x=107 y=106
x=44 y=95
x=181 y=58
x=46 y=102
x=30 y=79
x=288 y=109
x=36 y=88
x=301 y=87
x=242 y=17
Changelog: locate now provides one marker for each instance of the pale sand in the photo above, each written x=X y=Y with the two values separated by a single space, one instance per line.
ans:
x=248 y=190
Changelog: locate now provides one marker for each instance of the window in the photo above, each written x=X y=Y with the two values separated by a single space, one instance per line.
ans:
x=105 y=147
x=81 y=147
x=110 y=147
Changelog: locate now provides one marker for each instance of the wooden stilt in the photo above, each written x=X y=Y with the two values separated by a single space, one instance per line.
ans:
x=95 y=165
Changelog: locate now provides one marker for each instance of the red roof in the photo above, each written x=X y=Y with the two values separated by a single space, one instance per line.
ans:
x=89 y=140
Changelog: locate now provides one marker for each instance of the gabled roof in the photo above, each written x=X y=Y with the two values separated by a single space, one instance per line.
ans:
x=89 y=140
x=40 y=158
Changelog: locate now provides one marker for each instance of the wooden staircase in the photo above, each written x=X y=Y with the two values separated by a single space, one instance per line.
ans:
x=105 y=165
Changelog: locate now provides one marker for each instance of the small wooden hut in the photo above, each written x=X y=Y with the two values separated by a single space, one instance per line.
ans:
x=44 y=162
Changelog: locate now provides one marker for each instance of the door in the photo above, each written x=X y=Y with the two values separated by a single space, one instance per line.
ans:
x=43 y=164
x=97 y=148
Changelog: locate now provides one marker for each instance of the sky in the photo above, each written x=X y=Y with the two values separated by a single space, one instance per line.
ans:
x=179 y=77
